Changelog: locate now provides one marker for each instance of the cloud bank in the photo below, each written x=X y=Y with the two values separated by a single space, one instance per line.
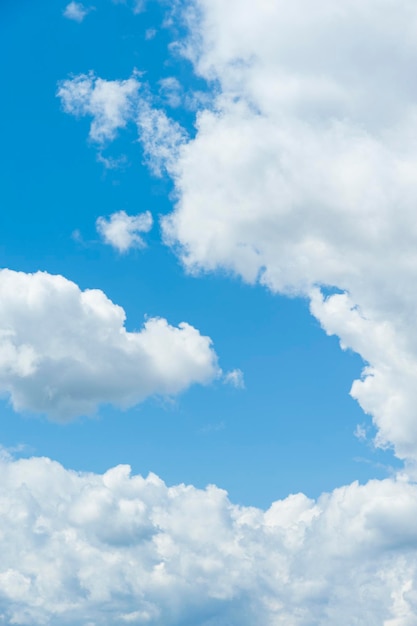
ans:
x=64 y=351
x=114 y=548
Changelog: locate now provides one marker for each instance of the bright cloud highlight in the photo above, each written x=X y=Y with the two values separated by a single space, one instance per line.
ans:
x=122 y=231
x=64 y=351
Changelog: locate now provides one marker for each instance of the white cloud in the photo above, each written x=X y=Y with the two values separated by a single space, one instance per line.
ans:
x=387 y=387
x=75 y=11
x=64 y=351
x=91 y=549
x=302 y=174
x=162 y=137
x=111 y=163
x=122 y=231
x=110 y=103
x=170 y=90
x=360 y=432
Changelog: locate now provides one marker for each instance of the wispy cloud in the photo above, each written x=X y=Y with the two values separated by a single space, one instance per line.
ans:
x=76 y=11
x=235 y=378
x=361 y=432
x=150 y=33
x=110 y=103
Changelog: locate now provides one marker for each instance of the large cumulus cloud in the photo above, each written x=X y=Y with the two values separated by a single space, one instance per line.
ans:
x=301 y=173
x=64 y=351
x=115 y=549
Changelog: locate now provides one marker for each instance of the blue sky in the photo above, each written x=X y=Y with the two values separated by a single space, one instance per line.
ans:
x=290 y=231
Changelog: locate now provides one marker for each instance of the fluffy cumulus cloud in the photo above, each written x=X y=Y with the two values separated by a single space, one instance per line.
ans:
x=75 y=11
x=119 y=549
x=64 y=351
x=301 y=174
x=122 y=231
x=113 y=104
x=109 y=102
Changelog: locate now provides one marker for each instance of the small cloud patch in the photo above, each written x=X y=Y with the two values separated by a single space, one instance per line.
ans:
x=75 y=11
x=121 y=230
x=235 y=378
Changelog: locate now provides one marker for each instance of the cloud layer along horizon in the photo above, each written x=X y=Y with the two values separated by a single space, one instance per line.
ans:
x=315 y=181
x=88 y=549
x=64 y=351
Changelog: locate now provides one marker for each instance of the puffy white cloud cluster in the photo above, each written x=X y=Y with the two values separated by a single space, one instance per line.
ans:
x=112 y=105
x=109 y=102
x=122 y=231
x=302 y=173
x=91 y=549
x=64 y=351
